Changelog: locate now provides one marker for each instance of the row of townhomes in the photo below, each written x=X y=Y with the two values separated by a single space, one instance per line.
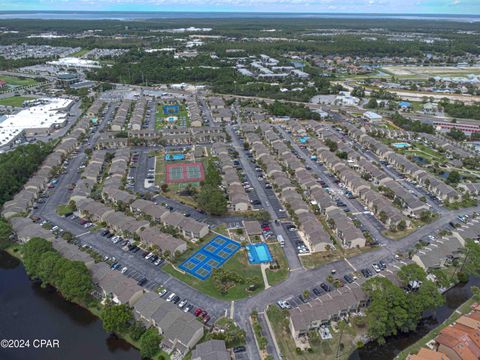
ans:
x=146 y=216
x=21 y=204
x=370 y=195
x=311 y=229
x=441 y=252
x=430 y=182
x=121 y=116
x=138 y=113
x=457 y=341
x=164 y=136
x=342 y=225
x=180 y=330
x=220 y=111
x=239 y=200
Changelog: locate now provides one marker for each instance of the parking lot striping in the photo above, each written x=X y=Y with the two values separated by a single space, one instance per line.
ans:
x=396 y=267
x=232 y=309
x=296 y=269
x=85 y=233
x=350 y=264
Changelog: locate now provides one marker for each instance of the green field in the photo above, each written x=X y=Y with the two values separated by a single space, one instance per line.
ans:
x=279 y=275
x=18 y=81
x=80 y=53
x=16 y=101
x=237 y=263
x=160 y=117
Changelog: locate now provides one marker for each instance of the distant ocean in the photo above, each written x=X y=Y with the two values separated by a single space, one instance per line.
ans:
x=118 y=15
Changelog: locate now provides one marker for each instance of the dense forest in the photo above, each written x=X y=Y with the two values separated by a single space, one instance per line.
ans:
x=412 y=125
x=138 y=67
x=17 y=167
x=294 y=111
x=460 y=110
x=313 y=36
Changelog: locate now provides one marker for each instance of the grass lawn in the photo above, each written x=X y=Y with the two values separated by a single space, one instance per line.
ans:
x=237 y=263
x=279 y=275
x=64 y=209
x=80 y=53
x=17 y=81
x=413 y=349
x=321 y=349
x=318 y=259
x=16 y=101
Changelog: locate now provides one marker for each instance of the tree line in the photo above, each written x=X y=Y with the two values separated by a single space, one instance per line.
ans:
x=412 y=125
x=18 y=166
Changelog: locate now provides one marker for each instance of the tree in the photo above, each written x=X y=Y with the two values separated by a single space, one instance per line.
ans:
x=116 y=318
x=136 y=330
x=454 y=177
x=332 y=145
x=5 y=233
x=164 y=187
x=212 y=200
x=411 y=272
x=371 y=104
x=76 y=282
x=150 y=343
x=32 y=251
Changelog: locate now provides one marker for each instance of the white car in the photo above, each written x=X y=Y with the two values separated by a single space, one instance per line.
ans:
x=171 y=296
x=124 y=270
x=162 y=292
x=148 y=256
x=376 y=268
x=182 y=303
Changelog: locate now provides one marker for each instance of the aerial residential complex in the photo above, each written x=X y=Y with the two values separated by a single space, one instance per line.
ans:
x=246 y=188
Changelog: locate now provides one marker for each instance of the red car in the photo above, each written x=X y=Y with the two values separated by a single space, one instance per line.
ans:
x=198 y=311
x=266 y=228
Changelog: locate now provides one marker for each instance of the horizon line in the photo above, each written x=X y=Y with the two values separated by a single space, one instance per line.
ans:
x=238 y=12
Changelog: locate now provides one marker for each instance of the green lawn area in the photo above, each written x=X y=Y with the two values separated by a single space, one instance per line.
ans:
x=160 y=117
x=80 y=53
x=281 y=274
x=422 y=150
x=237 y=263
x=17 y=81
x=16 y=101
x=64 y=209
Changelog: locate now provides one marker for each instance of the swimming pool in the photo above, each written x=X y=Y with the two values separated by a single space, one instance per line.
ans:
x=258 y=253
x=401 y=145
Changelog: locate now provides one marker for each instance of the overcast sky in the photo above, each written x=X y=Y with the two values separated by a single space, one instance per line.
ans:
x=471 y=7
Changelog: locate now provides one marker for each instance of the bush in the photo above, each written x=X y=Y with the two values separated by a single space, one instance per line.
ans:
x=462 y=277
x=298 y=350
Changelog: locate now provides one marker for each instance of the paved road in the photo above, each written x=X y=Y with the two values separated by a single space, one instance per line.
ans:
x=290 y=249
x=298 y=280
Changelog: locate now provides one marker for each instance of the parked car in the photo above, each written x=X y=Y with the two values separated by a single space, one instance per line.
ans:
x=171 y=297
x=325 y=287
x=162 y=292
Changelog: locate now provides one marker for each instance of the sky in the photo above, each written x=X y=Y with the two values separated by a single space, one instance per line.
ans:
x=471 y=7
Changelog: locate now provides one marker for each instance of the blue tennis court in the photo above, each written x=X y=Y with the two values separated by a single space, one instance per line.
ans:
x=211 y=256
x=258 y=253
